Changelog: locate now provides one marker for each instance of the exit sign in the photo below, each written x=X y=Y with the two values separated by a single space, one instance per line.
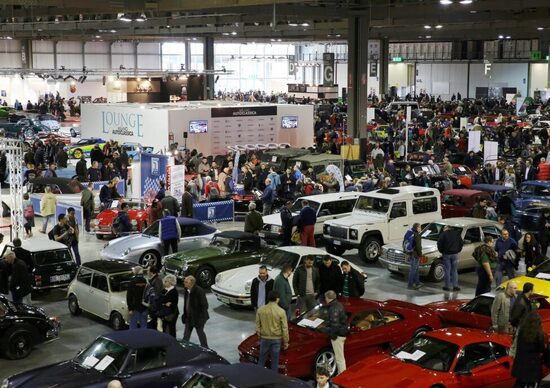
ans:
x=536 y=55
x=397 y=59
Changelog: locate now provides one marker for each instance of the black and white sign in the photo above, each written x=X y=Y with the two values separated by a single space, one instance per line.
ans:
x=328 y=69
x=292 y=65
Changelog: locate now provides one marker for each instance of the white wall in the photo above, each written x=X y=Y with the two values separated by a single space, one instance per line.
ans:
x=398 y=75
x=442 y=79
x=538 y=79
x=503 y=75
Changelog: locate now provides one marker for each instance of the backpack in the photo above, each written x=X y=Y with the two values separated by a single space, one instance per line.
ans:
x=408 y=242
x=51 y=236
x=116 y=226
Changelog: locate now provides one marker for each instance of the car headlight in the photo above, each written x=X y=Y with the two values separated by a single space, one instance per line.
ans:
x=218 y=278
x=247 y=286
x=184 y=266
x=5 y=383
x=326 y=229
x=353 y=234
x=133 y=222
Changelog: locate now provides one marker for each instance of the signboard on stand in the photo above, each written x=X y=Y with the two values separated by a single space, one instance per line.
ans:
x=175 y=180
x=490 y=152
x=474 y=141
x=152 y=171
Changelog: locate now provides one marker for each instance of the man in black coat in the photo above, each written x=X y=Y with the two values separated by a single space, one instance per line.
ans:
x=450 y=245
x=353 y=283
x=195 y=310
x=134 y=299
x=287 y=222
x=260 y=288
x=331 y=276
x=186 y=203
x=306 y=283
x=20 y=281
x=522 y=305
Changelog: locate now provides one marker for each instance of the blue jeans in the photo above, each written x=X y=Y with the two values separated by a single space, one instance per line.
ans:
x=450 y=264
x=47 y=219
x=273 y=347
x=414 y=275
x=504 y=267
x=138 y=317
x=76 y=253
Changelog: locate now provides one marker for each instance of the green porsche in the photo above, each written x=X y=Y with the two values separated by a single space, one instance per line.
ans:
x=227 y=250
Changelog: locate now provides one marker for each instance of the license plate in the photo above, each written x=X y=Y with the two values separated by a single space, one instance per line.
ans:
x=59 y=278
x=336 y=242
x=392 y=267
x=223 y=300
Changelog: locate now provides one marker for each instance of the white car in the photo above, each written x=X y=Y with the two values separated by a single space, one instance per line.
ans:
x=70 y=131
x=233 y=287
x=99 y=288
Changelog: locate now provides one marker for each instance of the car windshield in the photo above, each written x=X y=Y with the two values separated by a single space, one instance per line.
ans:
x=479 y=305
x=433 y=230
x=455 y=200
x=119 y=282
x=428 y=352
x=53 y=257
x=103 y=355
x=462 y=170
x=541 y=271
x=152 y=230
x=220 y=241
x=278 y=258
x=315 y=319
x=297 y=206
x=46 y=118
x=373 y=204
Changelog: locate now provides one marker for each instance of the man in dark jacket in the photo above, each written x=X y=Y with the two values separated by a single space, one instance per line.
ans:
x=522 y=305
x=353 y=282
x=450 y=245
x=171 y=204
x=268 y=197
x=162 y=191
x=96 y=155
x=336 y=328
x=153 y=294
x=331 y=277
x=282 y=286
x=186 y=203
x=124 y=220
x=306 y=284
x=414 y=275
x=134 y=299
x=94 y=173
x=308 y=219
x=105 y=195
x=169 y=232
x=195 y=310
x=253 y=222
x=22 y=254
x=20 y=281
x=81 y=169
x=260 y=288
x=287 y=223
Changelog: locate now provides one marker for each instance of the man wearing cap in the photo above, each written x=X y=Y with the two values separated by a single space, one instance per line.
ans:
x=287 y=223
x=253 y=222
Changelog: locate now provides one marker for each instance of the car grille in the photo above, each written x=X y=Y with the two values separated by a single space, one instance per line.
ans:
x=336 y=231
x=395 y=256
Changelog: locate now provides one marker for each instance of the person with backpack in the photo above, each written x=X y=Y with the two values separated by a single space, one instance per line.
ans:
x=412 y=244
x=121 y=225
x=450 y=245
x=485 y=257
x=134 y=299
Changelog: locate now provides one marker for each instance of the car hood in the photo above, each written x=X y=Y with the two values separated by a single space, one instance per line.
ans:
x=273 y=219
x=428 y=246
x=385 y=371
x=61 y=375
x=190 y=255
x=447 y=305
x=542 y=286
x=134 y=242
x=25 y=310
x=51 y=124
x=235 y=280
x=360 y=218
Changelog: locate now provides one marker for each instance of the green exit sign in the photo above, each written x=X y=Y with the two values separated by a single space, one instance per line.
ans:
x=397 y=59
x=536 y=55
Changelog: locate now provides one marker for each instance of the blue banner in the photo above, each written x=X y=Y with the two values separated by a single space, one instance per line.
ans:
x=98 y=185
x=214 y=211
x=62 y=208
x=153 y=170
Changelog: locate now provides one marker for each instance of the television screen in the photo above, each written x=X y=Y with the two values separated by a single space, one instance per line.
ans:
x=198 y=126
x=289 y=122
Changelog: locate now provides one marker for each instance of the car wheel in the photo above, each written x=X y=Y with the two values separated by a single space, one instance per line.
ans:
x=150 y=258
x=370 y=250
x=335 y=250
x=74 y=307
x=205 y=276
x=421 y=330
x=99 y=236
x=18 y=342
x=325 y=359
x=437 y=271
x=116 y=321
x=77 y=153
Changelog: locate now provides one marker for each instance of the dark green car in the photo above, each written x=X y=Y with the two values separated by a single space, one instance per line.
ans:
x=227 y=250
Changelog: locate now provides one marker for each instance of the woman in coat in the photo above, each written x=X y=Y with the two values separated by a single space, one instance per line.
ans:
x=527 y=368
x=531 y=250
x=28 y=213
x=169 y=305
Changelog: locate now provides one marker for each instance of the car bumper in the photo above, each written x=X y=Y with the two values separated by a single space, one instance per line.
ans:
x=177 y=272
x=393 y=266
x=53 y=333
x=232 y=299
x=339 y=242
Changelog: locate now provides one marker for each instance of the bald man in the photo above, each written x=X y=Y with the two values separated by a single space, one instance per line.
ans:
x=114 y=384
x=500 y=311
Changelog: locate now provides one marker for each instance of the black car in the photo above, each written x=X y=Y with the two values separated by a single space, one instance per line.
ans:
x=22 y=327
x=145 y=359
x=52 y=263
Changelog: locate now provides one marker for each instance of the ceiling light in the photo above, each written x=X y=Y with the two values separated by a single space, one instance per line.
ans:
x=305 y=24
x=540 y=28
x=194 y=38
x=466 y=2
x=501 y=36
x=279 y=40
x=9 y=38
x=233 y=33
x=427 y=27
x=113 y=31
x=97 y=36
x=293 y=24
x=168 y=26
x=445 y=2
x=223 y=33
x=473 y=11
x=428 y=36
x=508 y=37
x=141 y=18
x=439 y=26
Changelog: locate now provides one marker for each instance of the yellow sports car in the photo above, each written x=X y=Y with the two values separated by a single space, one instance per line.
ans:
x=539 y=276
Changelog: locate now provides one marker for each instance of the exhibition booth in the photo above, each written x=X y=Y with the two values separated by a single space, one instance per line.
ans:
x=208 y=126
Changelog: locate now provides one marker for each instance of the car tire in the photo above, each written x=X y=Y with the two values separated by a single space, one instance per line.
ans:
x=74 y=307
x=17 y=342
x=77 y=154
x=334 y=249
x=325 y=359
x=205 y=276
x=437 y=271
x=116 y=321
x=370 y=249
x=99 y=236
x=150 y=258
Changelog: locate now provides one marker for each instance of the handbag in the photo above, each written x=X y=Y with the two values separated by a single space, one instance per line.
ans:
x=296 y=239
x=28 y=213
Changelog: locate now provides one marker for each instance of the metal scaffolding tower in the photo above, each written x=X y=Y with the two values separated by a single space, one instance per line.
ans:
x=13 y=149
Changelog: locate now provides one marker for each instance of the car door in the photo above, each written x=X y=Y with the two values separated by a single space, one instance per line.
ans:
x=81 y=287
x=472 y=238
x=476 y=314
x=246 y=252
x=99 y=296
x=190 y=238
x=478 y=366
x=399 y=222
x=146 y=367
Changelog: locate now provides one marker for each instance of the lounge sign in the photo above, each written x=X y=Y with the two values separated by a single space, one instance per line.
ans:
x=244 y=112
x=120 y=123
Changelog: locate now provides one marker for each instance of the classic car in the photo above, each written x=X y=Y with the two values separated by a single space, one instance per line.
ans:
x=476 y=313
x=147 y=359
x=496 y=191
x=25 y=127
x=530 y=217
x=133 y=148
x=451 y=358
x=328 y=206
x=538 y=275
x=100 y=288
x=279 y=159
x=232 y=287
x=355 y=168
x=318 y=162
x=70 y=131
x=48 y=121
x=373 y=326
x=83 y=147
x=52 y=261
x=138 y=213
x=459 y=202
x=227 y=250
x=537 y=192
x=241 y=200
x=463 y=175
x=146 y=249
x=22 y=327
x=472 y=230
x=242 y=376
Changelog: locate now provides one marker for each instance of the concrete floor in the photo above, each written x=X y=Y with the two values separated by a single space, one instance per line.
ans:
x=226 y=328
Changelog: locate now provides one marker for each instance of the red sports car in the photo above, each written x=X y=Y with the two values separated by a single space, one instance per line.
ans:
x=476 y=313
x=374 y=326
x=447 y=358
x=138 y=214
x=459 y=202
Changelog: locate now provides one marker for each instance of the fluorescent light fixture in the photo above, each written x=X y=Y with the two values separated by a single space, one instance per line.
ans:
x=113 y=31
x=427 y=27
x=501 y=36
x=445 y=2
x=233 y=33
x=508 y=37
x=305 y=24
x=9 y=38
x=428 y=36
x=124 y=17
x=97 y=36
x=466 y=2
x=540 y=28
x=439 y=26
x=293 y=24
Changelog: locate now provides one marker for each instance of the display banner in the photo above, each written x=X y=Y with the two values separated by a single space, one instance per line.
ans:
x=373 y=69
x=244 y=111
x=175 y=180
x=490 y=153
x=328 y=69
x=292 y=65
x=214 y=211
x=474 y=141
x=153 y=170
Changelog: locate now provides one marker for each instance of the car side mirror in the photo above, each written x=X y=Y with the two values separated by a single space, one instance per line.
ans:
x=463 y=373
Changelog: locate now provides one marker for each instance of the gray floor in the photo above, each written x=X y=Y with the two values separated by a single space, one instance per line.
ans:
x=226 y=327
